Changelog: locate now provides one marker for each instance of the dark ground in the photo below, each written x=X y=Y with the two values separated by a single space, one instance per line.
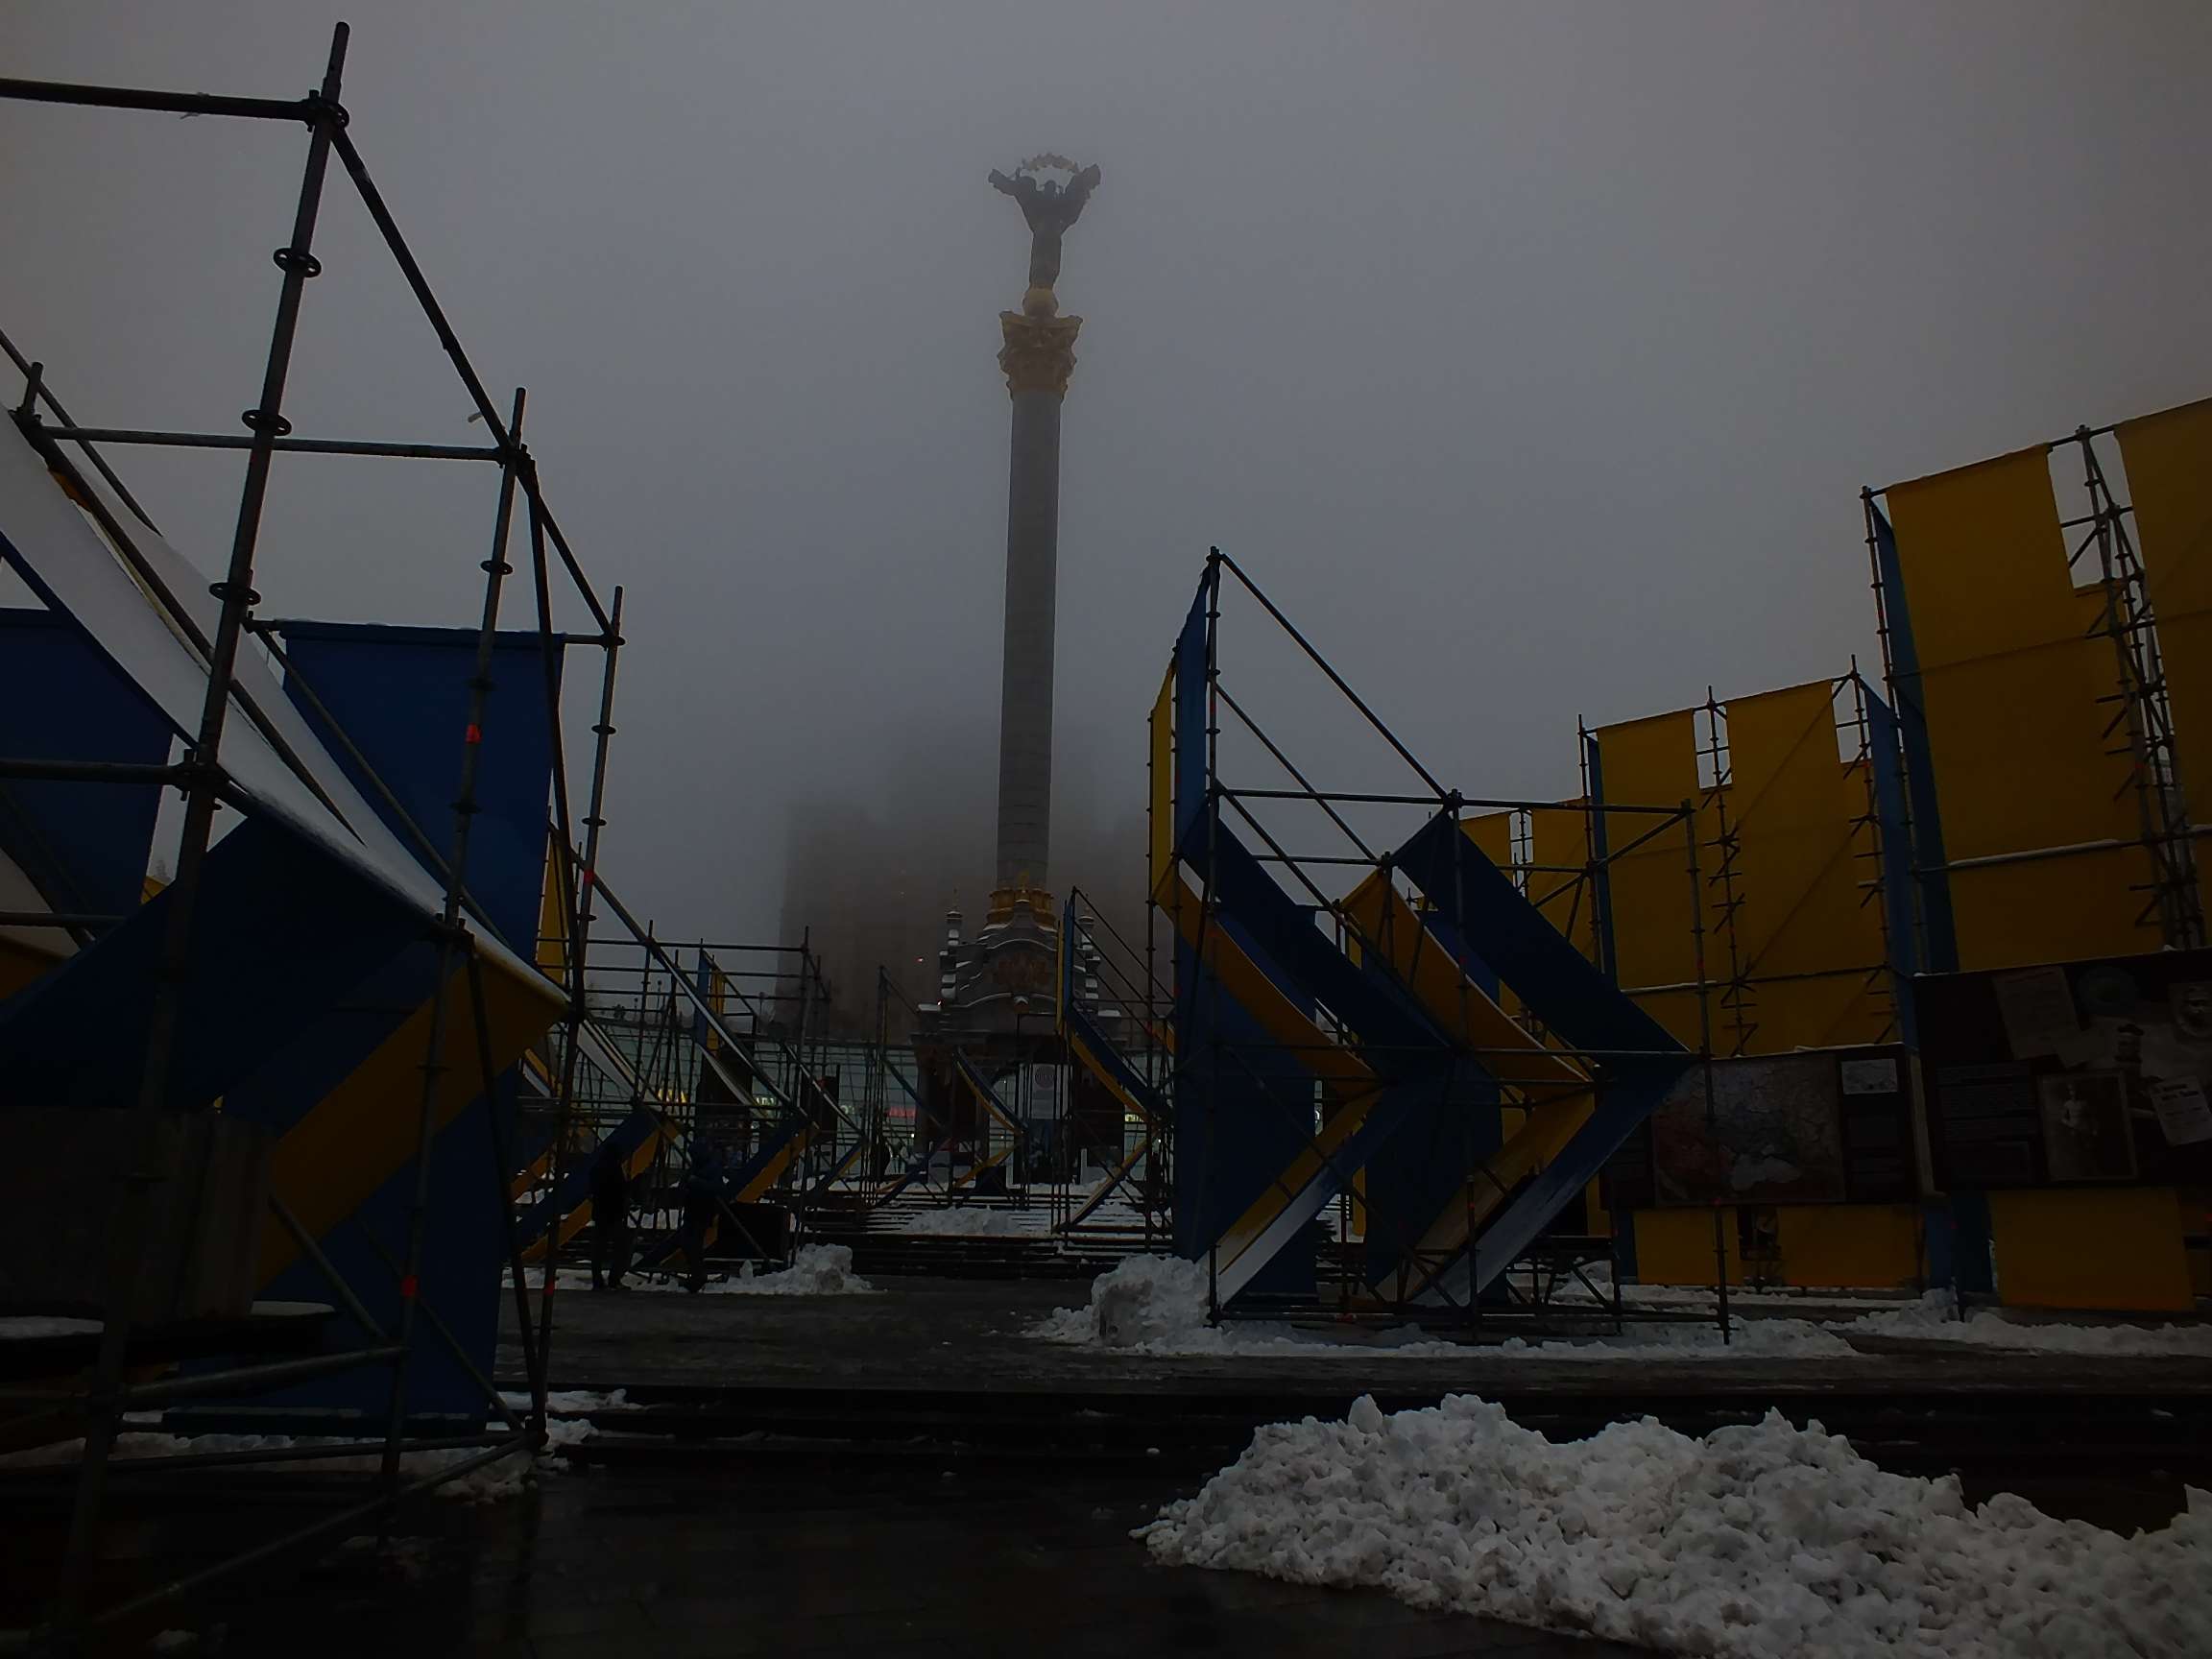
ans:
x=907 y=1474
x=968 y=1335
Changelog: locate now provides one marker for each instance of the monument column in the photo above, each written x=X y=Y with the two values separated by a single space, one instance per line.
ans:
x=1037 y=356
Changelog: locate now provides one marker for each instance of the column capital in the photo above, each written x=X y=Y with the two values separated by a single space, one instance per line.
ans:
x=1039 y=355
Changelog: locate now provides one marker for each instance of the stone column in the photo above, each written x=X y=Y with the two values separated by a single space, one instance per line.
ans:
x=1038 y=357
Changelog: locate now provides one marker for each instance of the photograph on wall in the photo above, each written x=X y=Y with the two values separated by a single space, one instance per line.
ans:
x=2086 y=1134
x=2080 y=1072
x=1773 y=1135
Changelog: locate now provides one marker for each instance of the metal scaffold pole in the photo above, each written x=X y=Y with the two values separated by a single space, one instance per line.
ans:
x=147 y=1161
x=453 y=944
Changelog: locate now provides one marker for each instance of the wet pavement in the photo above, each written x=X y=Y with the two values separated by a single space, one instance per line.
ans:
x=888 y=1557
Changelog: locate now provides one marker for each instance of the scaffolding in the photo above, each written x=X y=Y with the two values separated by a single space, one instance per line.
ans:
x=1412 y=1044
x=2136 y=719
x=456 y=994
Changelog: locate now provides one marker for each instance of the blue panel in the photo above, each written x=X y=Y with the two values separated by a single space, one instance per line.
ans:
x=281 y=933
x=1194 y=652
x=703 y=982
x=1086 y=1030
x=83 y=845
x=1972 y=1272
x=1444 y=1125
x=1367 y=999
x=1919 y=757
x=1243 y=1110
x=1478 y=971
x=1566 y=991
x=1572 y=997
x=1887 y=761
x=1634 y=1089
x=1601 y=859
x=402 y=696
x=575 y=1186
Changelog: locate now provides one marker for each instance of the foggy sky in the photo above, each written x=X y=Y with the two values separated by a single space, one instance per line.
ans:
x=1533 y=357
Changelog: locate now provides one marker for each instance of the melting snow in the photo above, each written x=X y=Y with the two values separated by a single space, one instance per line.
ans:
x=815 y=1271
x=971 y=1222
x=1156 y=1305
x=34 y=1327
x=1763 y=1542
x=1934 y=1318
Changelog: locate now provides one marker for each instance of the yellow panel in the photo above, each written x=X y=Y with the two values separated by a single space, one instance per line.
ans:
x=1653 y=763
x=1160 y=725
x=1544 y=1130
x=1461 y=1009
x=358 y=1136
x=1559 y=839
x=2169 y=461
x=21 y=962
x=1875 y=1246
x=1796 y=810
x=1341 y=1071
x=1493 y=833
x=2054 y=910
x=2116 y=1248
x=2011 y=680
x=1675 y=1246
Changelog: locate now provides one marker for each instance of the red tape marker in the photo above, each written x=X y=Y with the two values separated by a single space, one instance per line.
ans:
x=475 y=734
x=407 y=1288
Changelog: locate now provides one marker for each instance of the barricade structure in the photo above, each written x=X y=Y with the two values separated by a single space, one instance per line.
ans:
x=333 y=999
x=693 y=1056
x=2045 y=634
x=1398 y=1022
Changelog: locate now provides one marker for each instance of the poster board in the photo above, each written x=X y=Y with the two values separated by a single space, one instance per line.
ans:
x=1814 y=1126
x=2097 y=1071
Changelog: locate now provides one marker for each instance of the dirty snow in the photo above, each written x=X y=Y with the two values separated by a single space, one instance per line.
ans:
x=37 y=1327
x=1756 y=1542
x=815 y=1271
x=969 y=1221
x=1156 y=1305
x=566 y=1422
x=1934 y=1318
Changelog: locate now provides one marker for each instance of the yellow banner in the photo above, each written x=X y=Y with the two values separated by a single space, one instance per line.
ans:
x=2021 y=722
x=1655 y=905
x=1807 y=939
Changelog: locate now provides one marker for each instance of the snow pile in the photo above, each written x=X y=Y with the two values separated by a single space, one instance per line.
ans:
x=965 y=1221
x=1156 y=1305
x=816 y=1270
x=1747 y=1340
x=1152 y=1304
x=1763 y=1541
x=39 y=1326
x=1934 y=1318
x=568 y=1421
x=1149 y=1300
